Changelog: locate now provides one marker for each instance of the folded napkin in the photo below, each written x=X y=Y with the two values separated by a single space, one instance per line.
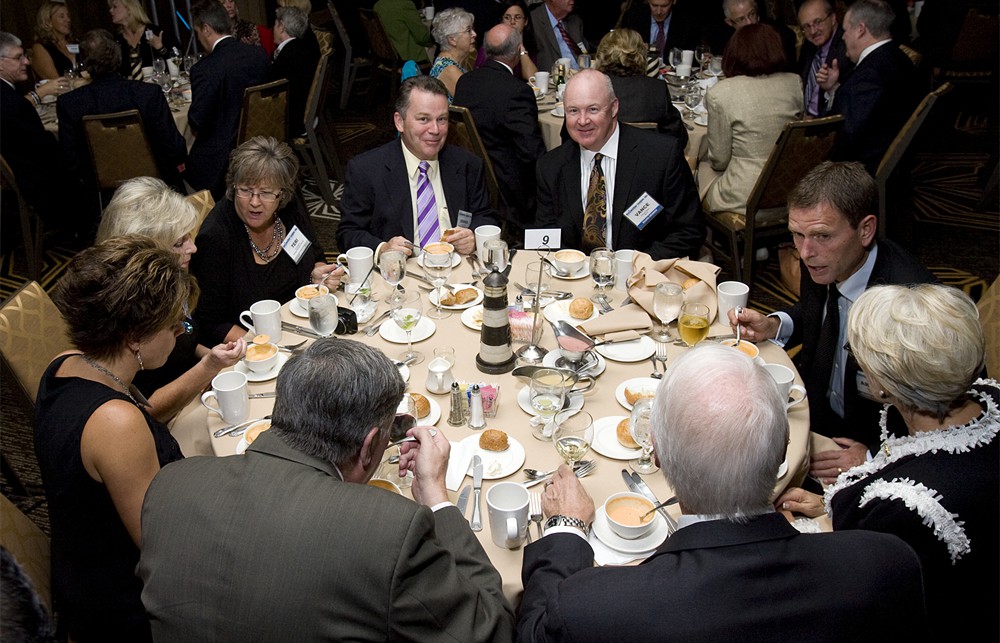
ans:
x=629 y=317
x=647 y=273
x=604 y=555
x=622 y=336
x=458 y=464
x=705 y=83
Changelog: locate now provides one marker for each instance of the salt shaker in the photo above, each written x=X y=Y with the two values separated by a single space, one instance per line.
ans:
x=519 y=304
x=476 y=418
x=456 y=417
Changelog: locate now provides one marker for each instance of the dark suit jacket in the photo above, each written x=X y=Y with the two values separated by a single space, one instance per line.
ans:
x=297 y=64
x=217 y=84
x=642 y=99
x=230 y=555
x=376 y=205
x=893 y=265
x=684 y=31
x=875 y=101
x=837 y=51
x=720 y=581
x=506 y=116
x=545 y=36
x=115 y=94
x=647 y=162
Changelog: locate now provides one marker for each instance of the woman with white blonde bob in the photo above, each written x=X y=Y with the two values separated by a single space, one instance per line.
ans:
x=936 y=486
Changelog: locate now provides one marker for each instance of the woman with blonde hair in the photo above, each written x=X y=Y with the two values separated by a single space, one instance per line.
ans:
x=140 y=40
x=147 y=206
x=54 y=52
x=452 y=31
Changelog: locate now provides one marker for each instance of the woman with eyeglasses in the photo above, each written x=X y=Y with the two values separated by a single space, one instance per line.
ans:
x=256 y=243
x=456 y=39
x=147 y=206
x=97 y=445
x=515 y=15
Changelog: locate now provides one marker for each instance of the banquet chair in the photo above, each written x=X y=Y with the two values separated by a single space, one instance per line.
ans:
x=889 y=206
x=973 y=57
x=463 y=133
x=389 y=60
x=32 y=228
x=801 y=146
x=109 y=134
x=317 y=147
x=32 y=333
x=30 y=547
x=203 y=204
x=351 y=64
x=265 y=112
x=989 y=316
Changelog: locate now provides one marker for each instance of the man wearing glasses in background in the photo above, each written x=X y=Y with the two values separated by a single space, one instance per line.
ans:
x=824 y=43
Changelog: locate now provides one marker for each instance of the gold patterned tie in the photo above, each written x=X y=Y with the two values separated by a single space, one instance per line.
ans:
x=595 y=214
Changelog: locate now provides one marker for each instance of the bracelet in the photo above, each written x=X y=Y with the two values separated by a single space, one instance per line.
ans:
x=565 y=521
x=35 y=97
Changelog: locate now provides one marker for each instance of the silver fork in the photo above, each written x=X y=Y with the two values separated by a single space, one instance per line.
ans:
x=661 y=356
x=535 y=509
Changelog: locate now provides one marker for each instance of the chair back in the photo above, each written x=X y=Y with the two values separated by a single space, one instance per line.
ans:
x=316 y=102
x=347 y=69
x=203 y=204
x=265 y=112
x=989 y=316
x=977 y=41
x=382 y=47
x=32 y=333
x=325 y=40
x=30 y=547
x=462 y=132
x=109 y=134
x=32 y=228
x=915 y=56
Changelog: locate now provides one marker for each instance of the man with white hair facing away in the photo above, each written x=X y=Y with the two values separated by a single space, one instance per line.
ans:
x=735 y=569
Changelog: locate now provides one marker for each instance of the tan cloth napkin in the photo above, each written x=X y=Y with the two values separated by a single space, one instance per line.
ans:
x=646 y=273
x=629 y=317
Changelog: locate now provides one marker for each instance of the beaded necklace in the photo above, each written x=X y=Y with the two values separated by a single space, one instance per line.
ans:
x=101 y=369
x=277 y=235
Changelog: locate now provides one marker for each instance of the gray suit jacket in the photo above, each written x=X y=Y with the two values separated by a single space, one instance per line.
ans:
x=545 y=37
x=274 y=546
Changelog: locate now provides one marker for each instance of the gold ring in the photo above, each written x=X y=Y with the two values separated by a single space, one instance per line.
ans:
x=839 y=470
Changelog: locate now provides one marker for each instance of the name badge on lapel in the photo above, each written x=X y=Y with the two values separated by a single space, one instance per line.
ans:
x=296 y=244
x=643 y=210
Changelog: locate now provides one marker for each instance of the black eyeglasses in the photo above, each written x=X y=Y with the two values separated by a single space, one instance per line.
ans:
x=815 y=24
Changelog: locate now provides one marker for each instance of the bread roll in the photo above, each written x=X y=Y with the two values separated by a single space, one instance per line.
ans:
x=632 y=396
x=448 y=299
x=423 y=405
x=689 y=282
x=581 y=308
x=493 y=440
x=625 y=435
x=465 y=295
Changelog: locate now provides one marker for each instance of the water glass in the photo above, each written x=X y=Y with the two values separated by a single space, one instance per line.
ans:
x=531 y=277
x=437 y=269
x=496 y=255
x=603 y=270
x=667 y=301
x=547 y=393
x=573 y=435
x=641 y=430
x=392 y=265
x=323 y=314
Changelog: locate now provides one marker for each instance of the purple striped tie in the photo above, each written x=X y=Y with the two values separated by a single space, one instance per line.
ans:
x=428 y=230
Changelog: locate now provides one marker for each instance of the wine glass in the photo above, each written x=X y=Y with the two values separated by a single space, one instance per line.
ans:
x=547 y=393
x=667 y=300
x=496 y=255
x=437 y=268
x=715 y=66
x=392 y=265
x=676 y=58
x=693 y=325
x=165 y=82
x=406 y=418
x=159 y=65
x=533 y=282
x=703 y=54
x=692 y=99
x=406 y=310
x=323 y=317
x=603 y=269
x=641 y=430
x=573 y=434
x=189 y=62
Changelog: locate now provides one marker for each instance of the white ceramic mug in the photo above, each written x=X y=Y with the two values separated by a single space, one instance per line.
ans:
x=731 y=294
x=541 y=81
x=264 y=318
x=624 y=269
x=485 y=233
x=230 y=392
x=683 y=70
x=359 y=262
x=784 y=378
x=507 y=506
x=687 y=57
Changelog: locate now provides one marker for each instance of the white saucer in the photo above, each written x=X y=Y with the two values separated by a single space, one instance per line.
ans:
x=553 y=356
x=606 y=439
x=581 y=272
x=432 y=297
x=496 y=464
x=455 y=260
x=241 y=367
x=558 y=111
x=390 y=332
x=634 y=351
x=404 y=372
x=647 y=543
x=295 y=307
x=559 y=311
x=432 y=416
x=701 y=119
x=634 y=383
x=524 y=401
x=469 y=318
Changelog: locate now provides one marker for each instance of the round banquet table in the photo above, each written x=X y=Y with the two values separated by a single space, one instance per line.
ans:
x=600 y=402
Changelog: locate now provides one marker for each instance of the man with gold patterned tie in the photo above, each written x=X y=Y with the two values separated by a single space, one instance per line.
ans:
x=412 y=190
x=614 y=185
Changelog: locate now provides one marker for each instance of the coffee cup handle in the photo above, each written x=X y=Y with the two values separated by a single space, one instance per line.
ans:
x=513 y=533
x=204 y=400
x=795 y=388
x=341 y=261
x=247 y=321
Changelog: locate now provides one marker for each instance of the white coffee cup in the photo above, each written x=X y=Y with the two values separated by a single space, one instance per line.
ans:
x=731 y=295
x=541 y=81
x=429 y=13
x=624 y=268
x=263 y=318
x=687 y=57
x=560 y=91
x=359 y=262
x=485 y=233
x=173 y=68
x=507 y=506
x=230 y=392
x=147 y=72
x=683 y=70
x=784 y=378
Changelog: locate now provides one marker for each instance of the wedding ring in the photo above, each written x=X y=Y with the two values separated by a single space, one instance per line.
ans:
x=839 y=470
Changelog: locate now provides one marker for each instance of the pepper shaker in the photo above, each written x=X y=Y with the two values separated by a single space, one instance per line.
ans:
x=456 y=417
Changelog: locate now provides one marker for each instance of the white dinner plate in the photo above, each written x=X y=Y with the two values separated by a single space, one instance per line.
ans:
x=634 y=351
x=432 y=297
x=470 y=315
x=553 y=356
x=581 y=272
x=266 y=375
x=524 y=401
x=432 y=417
x=404 y=372
x=647 y=543
x=496 y=464
x=455 y=259
x=636 y=383
x=295 y=307
x=390 y=332
x=606 y=439
x=783 y=469
x=559 y=311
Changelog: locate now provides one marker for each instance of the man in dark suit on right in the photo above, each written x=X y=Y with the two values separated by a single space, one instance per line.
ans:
x=832 y=221
x=824 y=43
x=295 y=59
x=558 y=33
x=881 y=92
x=217 y=85
x=506 y=116
x=734 y=570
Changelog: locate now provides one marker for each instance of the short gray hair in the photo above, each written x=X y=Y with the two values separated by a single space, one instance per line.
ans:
x=729 y=5
x=264 y=158
x=720 y=431
x=329 y=397
x=506 y=49
x=293 y=19
x=449 y=23
x=147 y=206
x=7 y=42
x=876 y=15
x=922 y=344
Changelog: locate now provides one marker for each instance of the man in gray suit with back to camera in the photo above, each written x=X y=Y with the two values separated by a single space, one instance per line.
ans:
x=287 y=542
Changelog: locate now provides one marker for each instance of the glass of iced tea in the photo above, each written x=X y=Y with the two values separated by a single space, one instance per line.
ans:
x=693 y=323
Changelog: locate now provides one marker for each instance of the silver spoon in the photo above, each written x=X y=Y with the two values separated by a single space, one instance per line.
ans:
x=739 y=310
x=535 y=474
x=665 y=503
x=580 y=472
x=559 y=272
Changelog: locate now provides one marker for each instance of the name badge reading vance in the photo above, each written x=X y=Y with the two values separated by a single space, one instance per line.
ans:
x=643 y=210
x=296 y=244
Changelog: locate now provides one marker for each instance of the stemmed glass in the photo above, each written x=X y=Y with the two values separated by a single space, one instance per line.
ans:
x=536 y=283
x=406 y=310
x=603 y=269
x=406 y=418
x=166 y=84
x=437 y=268
x=323 y=317
x=159 y=65
x=547 y=393
x=676 y=58
x=692 y=99
x=496 y=255
x=703 y=54
x=641 y=430
x=715 y=66
x=189 y=62
x=573 y=434
x=667 y=300
x=392 y=265
x=693 y=324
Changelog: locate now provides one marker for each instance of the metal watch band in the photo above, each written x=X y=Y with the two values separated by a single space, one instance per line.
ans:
x=566 y=521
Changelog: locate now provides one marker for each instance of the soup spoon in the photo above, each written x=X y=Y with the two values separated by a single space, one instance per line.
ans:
x=665 y=503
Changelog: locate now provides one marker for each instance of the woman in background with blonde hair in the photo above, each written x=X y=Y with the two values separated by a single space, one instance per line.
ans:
x=54 y=52
x=140 y=40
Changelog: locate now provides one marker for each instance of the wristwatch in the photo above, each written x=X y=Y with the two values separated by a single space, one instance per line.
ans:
x=566 y=521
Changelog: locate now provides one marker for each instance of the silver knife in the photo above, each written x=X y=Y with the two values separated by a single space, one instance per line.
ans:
x=299 y=330
x=257 y=396
x=642 y=488
x=477 y=486
x=463 y=498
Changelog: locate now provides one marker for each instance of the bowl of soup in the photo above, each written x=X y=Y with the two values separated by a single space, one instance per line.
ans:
x=626 y=513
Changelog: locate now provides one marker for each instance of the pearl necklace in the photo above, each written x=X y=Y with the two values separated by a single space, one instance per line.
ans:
x=102 y=369
x=277 y=234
